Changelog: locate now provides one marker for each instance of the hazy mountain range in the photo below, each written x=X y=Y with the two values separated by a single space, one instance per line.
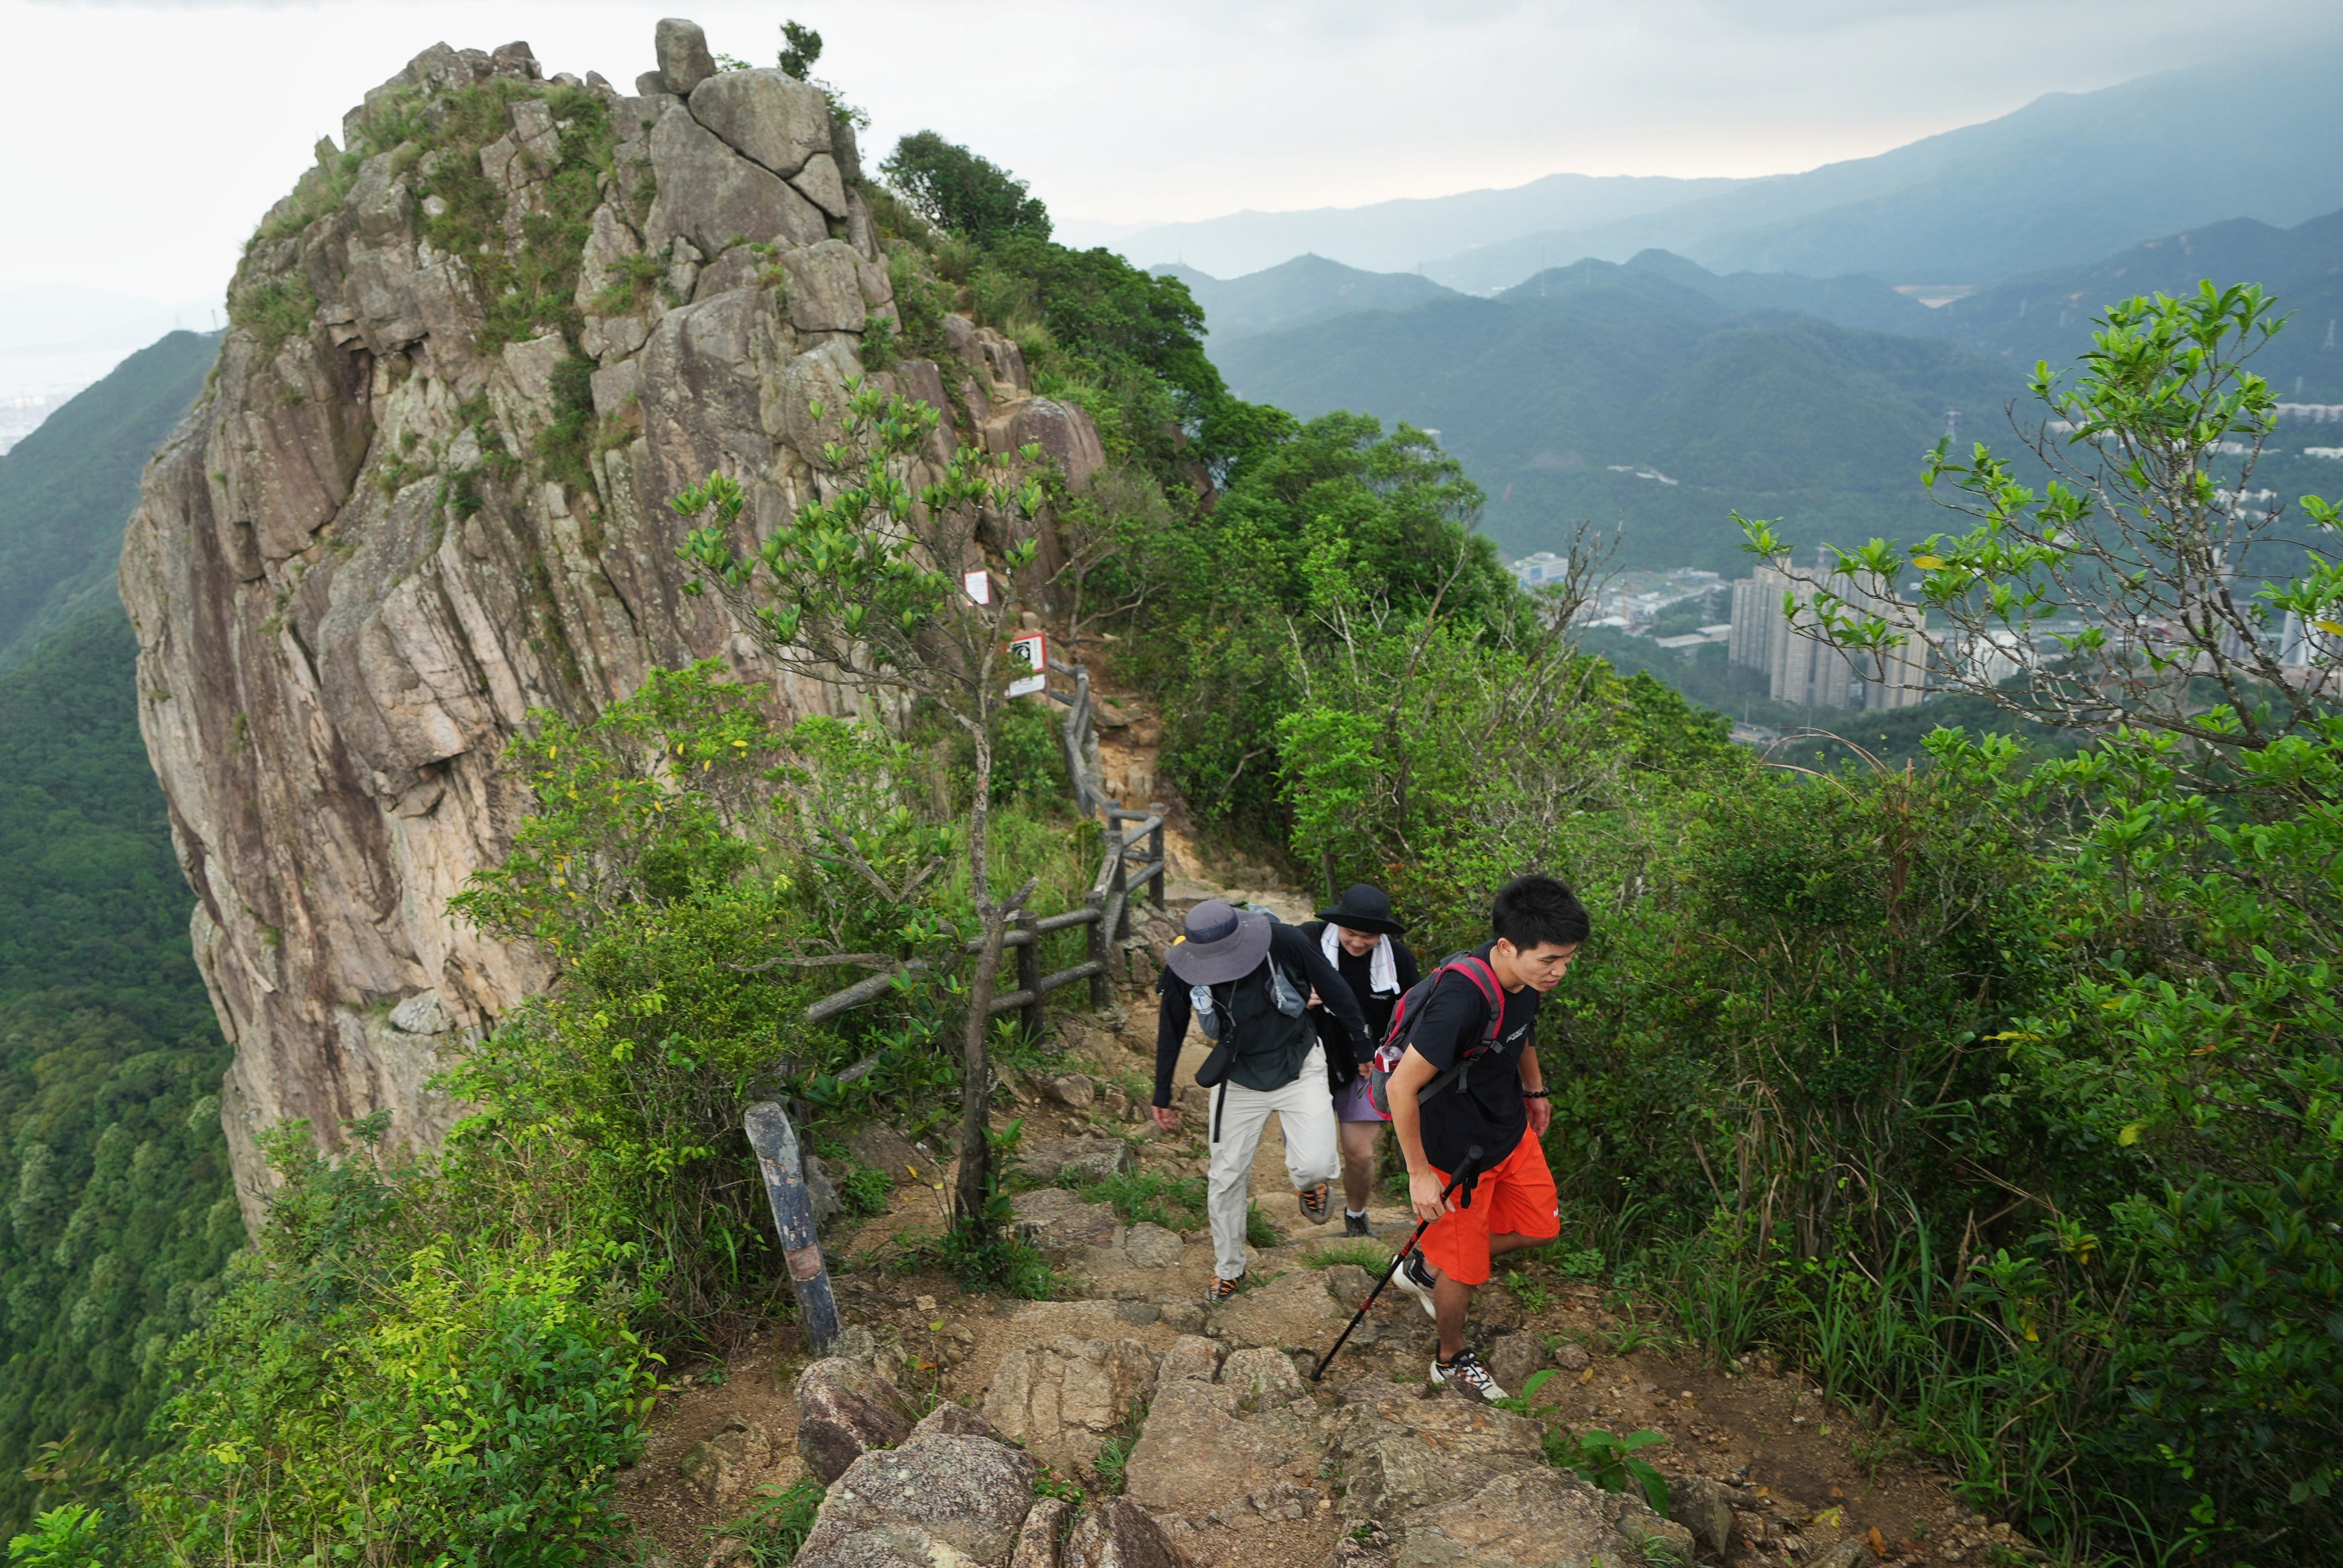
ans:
x=1658 y=396
x=2065 y=180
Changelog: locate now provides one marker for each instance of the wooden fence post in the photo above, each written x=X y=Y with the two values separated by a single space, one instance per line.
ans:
x=774 y=1142
x=1155 y=848
x=1101 y=990
x=1028 y=973
x=1121 y=881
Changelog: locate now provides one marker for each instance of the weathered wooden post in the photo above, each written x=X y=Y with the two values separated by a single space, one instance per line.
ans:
x=1101 y=986
x=776 y=1143
x=1118 y=887
x=1155 y=848
x=1028 y=973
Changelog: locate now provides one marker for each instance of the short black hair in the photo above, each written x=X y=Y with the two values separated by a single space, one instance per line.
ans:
x=1538 y=909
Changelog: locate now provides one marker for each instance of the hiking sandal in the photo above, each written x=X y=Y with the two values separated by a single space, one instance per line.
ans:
x=1221 y=1289
x=1467 y=1373
x=1317 y=1202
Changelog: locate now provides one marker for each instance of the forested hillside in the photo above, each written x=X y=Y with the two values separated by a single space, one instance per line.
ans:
x=1620 y=394
x=66 y=488
x=120 y=1215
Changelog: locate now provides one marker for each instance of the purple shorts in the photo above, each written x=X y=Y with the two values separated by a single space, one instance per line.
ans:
x=1352 y=1103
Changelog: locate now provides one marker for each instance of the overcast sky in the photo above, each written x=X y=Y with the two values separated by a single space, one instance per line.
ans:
x=150 y=137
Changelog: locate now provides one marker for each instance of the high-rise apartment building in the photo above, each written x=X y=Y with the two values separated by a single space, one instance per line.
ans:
x=1808 y=673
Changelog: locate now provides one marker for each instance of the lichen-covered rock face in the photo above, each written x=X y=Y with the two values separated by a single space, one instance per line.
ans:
x=472 y=355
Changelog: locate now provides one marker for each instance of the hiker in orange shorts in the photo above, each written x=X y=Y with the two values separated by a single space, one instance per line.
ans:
x=1461 y=1082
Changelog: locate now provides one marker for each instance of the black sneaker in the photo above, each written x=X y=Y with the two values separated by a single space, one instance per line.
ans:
x=1317 y=1202
x=1415 y=1279
x=1220 y=1290
x=1356 y=1224
x=1467 y=1373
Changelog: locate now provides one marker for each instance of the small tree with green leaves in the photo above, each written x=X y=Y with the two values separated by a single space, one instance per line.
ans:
x=2184 y=577
x=961 y=192
x=867 y=590
x=800 y=50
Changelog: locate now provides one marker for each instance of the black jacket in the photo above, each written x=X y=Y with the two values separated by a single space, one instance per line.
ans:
x=1300 y=958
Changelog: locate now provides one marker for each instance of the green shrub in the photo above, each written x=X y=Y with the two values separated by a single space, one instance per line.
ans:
x=371 y=1381
x=66 y=1537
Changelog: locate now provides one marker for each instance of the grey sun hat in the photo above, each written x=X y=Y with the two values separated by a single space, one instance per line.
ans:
x=1223 y=943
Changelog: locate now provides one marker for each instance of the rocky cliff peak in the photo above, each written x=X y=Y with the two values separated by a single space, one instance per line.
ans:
x=472 y=355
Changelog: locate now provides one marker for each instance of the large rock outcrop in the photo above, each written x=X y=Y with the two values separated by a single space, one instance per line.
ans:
x=472 y=355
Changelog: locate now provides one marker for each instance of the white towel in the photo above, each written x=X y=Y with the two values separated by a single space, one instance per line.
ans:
x=1382 y=969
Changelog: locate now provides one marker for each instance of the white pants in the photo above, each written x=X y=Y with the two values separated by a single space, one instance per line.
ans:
x=1305 y=1114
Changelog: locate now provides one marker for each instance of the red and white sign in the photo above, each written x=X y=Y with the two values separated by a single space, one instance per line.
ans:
x=1029 y=663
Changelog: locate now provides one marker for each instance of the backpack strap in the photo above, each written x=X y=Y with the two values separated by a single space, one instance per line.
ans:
x=1473 y=967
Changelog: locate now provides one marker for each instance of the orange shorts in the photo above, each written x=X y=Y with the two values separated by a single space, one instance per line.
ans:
x=1515 y=1198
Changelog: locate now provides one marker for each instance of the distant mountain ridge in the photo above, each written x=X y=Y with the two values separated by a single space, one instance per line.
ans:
x=1311 y=288
x=2048 y=315
x=1398 y=236
x=2059 y=183
x=1306 y=289
x=1627 y=395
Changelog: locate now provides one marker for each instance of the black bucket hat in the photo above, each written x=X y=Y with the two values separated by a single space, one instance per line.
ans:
x=1364 y=909
x=1222 y=943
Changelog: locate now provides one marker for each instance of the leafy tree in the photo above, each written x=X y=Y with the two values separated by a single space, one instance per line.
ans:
x=961 y=192
x=867 y=589
x=2150 y=528
x=800 y=50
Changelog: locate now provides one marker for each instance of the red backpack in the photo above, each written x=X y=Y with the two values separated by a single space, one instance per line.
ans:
x=1475 y=968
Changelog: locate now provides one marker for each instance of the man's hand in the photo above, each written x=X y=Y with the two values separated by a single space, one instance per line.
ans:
x=1166 y=1117
x=1424 y=1195
x=1541 y=1117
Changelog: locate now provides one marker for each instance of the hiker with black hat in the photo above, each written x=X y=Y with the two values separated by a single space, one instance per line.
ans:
x=1358 y=936
x=1245 y=978
x=1469 y=1081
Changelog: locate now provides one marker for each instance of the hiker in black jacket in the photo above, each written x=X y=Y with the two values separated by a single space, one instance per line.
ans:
x=1246 y=978
x=1360 y=939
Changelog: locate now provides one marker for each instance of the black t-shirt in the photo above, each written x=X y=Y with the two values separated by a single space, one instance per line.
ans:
x=1487 y=1108
x=1358 y=973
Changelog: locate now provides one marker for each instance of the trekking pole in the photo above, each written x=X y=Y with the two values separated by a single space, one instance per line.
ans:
x=1465 y=1173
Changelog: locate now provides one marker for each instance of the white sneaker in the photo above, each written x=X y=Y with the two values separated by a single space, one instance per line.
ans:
x=1417 y=1280
x=1467 y=1371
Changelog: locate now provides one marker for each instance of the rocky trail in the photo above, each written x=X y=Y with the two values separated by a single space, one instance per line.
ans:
x=1125 y=1423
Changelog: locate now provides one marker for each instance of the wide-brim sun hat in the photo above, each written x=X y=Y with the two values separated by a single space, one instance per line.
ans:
x=1222 y=943
x=1364 y=907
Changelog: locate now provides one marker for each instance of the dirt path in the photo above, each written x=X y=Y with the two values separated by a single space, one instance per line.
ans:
x=1804 y=1484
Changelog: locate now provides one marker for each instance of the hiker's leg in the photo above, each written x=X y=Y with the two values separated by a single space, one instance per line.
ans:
x=1449 y=1301
x=1238 y=1116
x=1513 y=1241
x=1359 y=1162
x=1306 y=1116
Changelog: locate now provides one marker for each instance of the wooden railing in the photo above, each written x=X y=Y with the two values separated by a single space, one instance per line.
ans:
x=1106 y=908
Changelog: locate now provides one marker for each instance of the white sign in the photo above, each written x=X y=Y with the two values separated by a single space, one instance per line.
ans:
x=978 y=584
x=1030 y=653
